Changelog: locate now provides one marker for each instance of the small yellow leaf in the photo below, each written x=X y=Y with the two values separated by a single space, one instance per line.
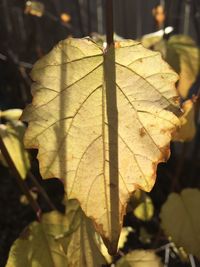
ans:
x=181 y=220
x=145 y=209
x=140 y=258
x=12 y=136
x=34 y=8
x=124 y=235
x=11 y=114
x=24 y=200
x=141 y=205
x=187 y=128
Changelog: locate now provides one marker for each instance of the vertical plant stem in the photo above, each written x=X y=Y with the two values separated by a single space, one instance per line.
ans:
x=196 y=18
x=23 y=186
x=89 y=17
x=109 y=22
x=78 y=8
x=99 y=17
x=139 y=19
x=110 y=93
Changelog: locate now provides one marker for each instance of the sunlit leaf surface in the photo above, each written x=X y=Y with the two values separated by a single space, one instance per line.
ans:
x=102 y=122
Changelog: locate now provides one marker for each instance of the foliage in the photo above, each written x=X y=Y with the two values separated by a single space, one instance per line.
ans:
x=141 y=205
x=181 y=220
x=81 y=89
x=58 y=240
x=79 y=128
x=12 y=135
x=183 y=55
x=145 y=209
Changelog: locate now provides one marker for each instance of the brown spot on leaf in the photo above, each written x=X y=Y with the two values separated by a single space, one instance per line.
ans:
x=176 y=100
x=165 y=153
x=142 y=132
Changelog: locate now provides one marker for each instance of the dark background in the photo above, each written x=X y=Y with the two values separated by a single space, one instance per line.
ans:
x=25 y=38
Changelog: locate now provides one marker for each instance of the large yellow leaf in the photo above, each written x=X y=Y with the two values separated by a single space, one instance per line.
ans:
x=181 y=219
x=12 y=135
x=58 y=241
x=102 y=122
x=140 y=258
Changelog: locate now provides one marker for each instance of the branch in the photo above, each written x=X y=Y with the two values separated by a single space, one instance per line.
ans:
x=41 y=190
x=23 y=186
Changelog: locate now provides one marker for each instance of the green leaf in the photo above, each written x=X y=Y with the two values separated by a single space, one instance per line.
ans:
x=184 y=56
x=58 y=241
x=12 y=135
x=181 y=219
x=102 y=121
x=140 y=258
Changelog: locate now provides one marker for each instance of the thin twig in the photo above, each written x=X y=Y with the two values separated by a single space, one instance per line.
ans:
x=167 y=256
x=192 y=261
x=175 y=184
x=164 y=247
x=41 y=190
x=23 y=186
x=80 y=21
x=89 y=17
